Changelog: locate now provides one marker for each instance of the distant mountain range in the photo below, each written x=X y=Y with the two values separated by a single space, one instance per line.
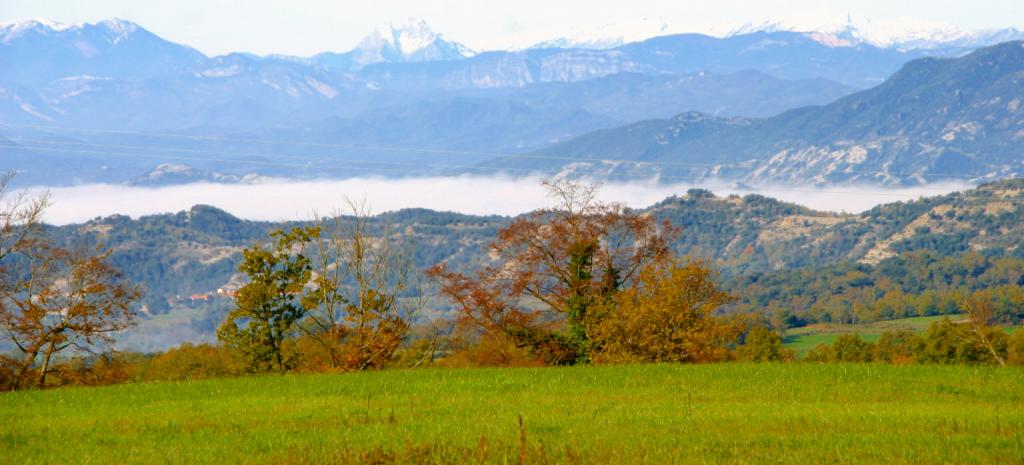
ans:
x=903 y=34
x=936 y=119
x=119 y=104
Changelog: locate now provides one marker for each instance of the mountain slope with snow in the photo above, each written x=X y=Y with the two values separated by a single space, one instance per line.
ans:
x=407 y=42
x=37 y=50
x=603 y=37
x=903 y=34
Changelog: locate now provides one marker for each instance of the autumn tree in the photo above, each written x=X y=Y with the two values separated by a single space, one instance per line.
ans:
x=565 y=260
x=269 y=305
x=187 y=362
x=365 y=290
x=491 y=317
x=669 y=316
x=57 y=300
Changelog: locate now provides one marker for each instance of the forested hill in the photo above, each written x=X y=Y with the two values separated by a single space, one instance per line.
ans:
x=197 y=251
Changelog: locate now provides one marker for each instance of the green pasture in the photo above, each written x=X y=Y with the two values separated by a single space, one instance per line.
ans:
x=703 y=414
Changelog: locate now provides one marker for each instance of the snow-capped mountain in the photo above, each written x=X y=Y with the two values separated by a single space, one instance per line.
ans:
x=606 y=36
x=402 y=42
x=903 y=34
x=115 y=48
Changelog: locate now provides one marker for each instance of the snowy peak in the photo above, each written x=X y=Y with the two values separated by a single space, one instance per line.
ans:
x=408 y=38
x=609 y=35
x=899 y=34
x=116 y=48
x=116 y=29
x=13 y=30
x=902 y=34
x=408 y=41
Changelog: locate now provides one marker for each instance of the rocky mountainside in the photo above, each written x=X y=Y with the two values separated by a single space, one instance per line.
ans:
x=936 y=119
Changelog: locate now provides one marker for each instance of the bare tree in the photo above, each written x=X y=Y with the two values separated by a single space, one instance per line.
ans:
x=21 y=217
x=980 y=315
x=58 y=300
x=366 y=290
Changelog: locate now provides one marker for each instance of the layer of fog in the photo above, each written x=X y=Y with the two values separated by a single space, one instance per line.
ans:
x=294 y=200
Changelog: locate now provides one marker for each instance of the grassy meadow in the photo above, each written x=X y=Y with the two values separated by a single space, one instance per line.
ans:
x=724 y=413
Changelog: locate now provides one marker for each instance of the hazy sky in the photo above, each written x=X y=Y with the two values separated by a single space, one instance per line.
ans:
x=304 y=27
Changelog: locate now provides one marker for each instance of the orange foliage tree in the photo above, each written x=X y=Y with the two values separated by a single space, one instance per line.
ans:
x=62 y=299
x=667 y=317
x=567 y=261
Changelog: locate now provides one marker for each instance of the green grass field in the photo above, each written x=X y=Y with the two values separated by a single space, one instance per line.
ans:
x=803 y=339
x=727 y=413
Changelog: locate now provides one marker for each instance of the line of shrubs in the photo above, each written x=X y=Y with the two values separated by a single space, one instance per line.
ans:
x=943 y=343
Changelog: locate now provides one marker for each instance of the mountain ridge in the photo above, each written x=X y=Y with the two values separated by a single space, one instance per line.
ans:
x=934 y=119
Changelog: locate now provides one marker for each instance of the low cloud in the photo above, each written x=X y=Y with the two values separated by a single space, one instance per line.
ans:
x=291 y=200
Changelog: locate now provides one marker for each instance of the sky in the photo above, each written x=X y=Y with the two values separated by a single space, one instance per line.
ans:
x=306 y=27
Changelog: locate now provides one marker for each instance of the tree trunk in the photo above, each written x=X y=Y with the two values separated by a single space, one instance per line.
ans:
x=45 y=367
x=991 y=348
x=30 y=357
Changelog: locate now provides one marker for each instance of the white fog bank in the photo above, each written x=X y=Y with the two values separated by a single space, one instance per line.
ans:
x=295 y=200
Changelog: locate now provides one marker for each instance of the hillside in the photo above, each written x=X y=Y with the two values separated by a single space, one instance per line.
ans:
x=935 y=119
x=196 y=252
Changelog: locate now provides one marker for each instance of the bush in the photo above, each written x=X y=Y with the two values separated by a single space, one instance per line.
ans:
x=1015 y=348
x=940 y=343
x=898 y=347
x=194 y=362
x=851 y=348
x=763 y=345
x=100 y=370
x=947 y=342
x=821 y=353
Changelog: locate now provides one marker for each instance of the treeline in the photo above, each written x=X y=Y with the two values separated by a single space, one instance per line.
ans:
x=944 y=342
x=198 y=250
x=582 y=282
x=922 y=283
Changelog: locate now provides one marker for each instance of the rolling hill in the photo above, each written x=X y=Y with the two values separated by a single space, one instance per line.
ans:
x=197 y=251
